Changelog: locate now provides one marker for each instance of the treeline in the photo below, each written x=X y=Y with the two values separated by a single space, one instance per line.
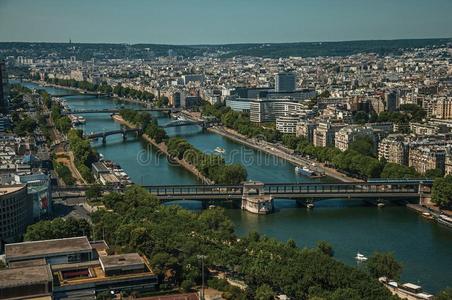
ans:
x=57 y=229
x=172 y=238
x=84 y=155
x=104 y=88
x=359 y=160
x=211 y=166
x=61 y=122
x=64 y=173
x=442 y=192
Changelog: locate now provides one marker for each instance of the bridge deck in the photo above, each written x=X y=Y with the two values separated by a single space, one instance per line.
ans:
x=288 y=191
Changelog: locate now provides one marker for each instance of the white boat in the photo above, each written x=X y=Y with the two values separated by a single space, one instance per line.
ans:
x=360 y=257
x=445 y=220
x=305 y=171
x=219 y=150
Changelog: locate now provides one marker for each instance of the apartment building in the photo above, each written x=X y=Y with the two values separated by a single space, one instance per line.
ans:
x=305 y=128
x=348 y=134
x=393 y=149
x=425 y=158
x=324 y=133
x=443 y=108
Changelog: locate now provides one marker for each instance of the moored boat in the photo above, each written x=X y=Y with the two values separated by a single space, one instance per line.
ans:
x=445 y=220
x=219 y=150
x=360 y=257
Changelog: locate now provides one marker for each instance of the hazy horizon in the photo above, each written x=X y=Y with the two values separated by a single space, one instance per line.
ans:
x=207 y=22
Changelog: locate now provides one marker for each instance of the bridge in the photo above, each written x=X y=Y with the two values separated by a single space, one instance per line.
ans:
x=180 y=123
x=115 y=110
x=82 y=94
x=123 y=131
x=258 y=197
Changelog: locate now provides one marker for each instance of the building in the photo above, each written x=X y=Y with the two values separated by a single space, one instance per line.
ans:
x=443 y=108
x=305 y=128
x=287 y=124
x=193 y=78
x=39 y=190
x=448 y=162
x=29 y=282
x=285 y=82
x=5 y=123
x=425 y=158
x=15 y=212
x=428 y=129
x=348 y=134
x=4 y=89
x=391 y=101
x=324 y=133
x=394 y=149
x=73 y=268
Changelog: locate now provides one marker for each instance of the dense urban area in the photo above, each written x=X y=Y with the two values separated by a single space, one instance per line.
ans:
x=359 y=120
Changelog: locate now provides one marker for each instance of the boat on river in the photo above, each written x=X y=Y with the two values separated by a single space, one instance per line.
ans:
x=360 y=257
x=219 y=150
x=445 y=220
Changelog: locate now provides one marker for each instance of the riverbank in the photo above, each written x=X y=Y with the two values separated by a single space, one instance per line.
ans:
x=83 y=92
x=163 y=149
x=275 y=150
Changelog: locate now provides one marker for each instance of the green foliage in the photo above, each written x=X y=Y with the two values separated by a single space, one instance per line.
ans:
x=264 y=292
x=172 y=238
x=361 y=117
x=392 y=170
x=140 y=119
x=384 y=264
x=94 y=191
x=64 y=173
x=433 y=173
x=25 y=126
x=210 y=165
x=62 y=122
x=442 y=192
x=325 y=248
x=363 y=145
x=57 y=228
x=407 y=113
x=444 y=295
x=84 y=155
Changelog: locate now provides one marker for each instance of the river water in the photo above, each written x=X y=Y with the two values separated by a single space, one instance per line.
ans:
x=423 y=247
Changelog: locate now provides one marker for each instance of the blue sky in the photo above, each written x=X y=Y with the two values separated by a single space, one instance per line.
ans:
x=222 y=21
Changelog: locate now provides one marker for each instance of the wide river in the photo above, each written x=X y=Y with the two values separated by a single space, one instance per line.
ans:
x=423 y=247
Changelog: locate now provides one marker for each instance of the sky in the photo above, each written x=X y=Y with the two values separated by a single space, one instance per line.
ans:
x=222 y=21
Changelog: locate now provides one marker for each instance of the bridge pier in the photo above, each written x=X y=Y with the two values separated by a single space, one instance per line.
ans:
x=104 y=139
x=254 y=200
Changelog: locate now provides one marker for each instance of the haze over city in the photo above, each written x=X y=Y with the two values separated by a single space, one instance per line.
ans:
x=221 y=22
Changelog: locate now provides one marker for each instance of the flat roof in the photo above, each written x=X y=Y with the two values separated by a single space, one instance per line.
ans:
x=36 y=249
x=6 y=189
x=27 y=263
x=121 y=261
x=25 y=276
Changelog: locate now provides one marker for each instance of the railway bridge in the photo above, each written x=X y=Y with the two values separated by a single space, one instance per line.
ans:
x=258 y=197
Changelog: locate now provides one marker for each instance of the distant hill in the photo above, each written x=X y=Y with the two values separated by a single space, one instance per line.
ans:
x=272 y=50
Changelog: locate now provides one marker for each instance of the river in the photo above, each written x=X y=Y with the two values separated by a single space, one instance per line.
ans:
x=423 y=247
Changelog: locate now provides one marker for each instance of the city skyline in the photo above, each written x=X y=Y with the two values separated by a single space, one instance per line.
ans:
x=168 y=22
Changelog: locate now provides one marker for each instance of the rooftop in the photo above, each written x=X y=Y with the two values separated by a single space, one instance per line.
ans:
x=36 y=249
x=25 y=276
x=121 y=261
x=6 y=189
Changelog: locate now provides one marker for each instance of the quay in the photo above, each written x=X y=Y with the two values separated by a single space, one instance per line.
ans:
x=273 y=150
x=163 y=149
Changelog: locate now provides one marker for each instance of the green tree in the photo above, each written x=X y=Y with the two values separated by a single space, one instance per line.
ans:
x=94 y=191
x=264 y=292
x=364 y=145
x=444 y=295
x=325 y=248
x=384 y=264
x=442 y=191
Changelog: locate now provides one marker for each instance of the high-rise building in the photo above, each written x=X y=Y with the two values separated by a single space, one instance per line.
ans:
x=3 y=88
x=285 y=82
